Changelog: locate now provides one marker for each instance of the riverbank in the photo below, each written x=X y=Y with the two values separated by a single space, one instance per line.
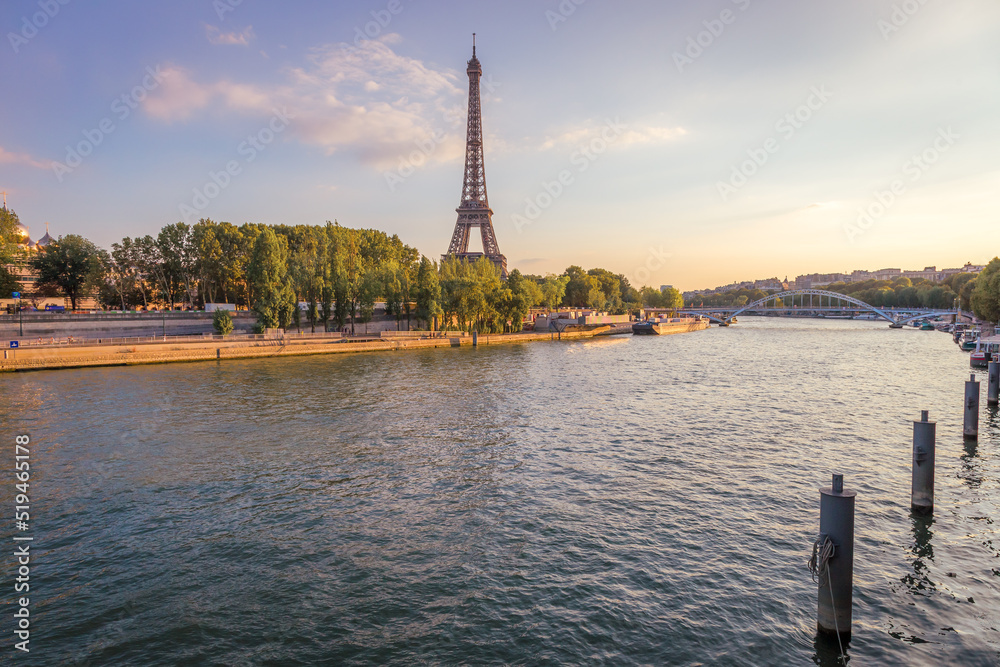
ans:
x=135 y=351
x=125 y=353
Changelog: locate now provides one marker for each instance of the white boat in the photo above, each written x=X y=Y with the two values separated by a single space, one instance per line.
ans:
x=987 y=349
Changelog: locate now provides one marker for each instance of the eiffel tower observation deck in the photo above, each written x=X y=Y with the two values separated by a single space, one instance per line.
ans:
x=474 y=210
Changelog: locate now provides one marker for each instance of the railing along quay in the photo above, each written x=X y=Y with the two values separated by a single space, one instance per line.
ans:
x=333 y=336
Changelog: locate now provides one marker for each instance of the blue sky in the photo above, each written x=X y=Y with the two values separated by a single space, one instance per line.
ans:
x=697 y=143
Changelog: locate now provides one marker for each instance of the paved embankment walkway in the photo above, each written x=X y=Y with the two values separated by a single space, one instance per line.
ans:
x=127 y=352
x=81 y=354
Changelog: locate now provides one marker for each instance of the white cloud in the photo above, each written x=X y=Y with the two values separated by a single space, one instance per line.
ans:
x=650 y=134
x=367 y=99
x=374 y=102
x=636 y=132
x=242 y=38
x=177 y=96
x=7 y=157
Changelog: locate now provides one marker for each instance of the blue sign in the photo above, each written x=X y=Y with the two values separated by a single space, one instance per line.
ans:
x=14 y=343
x=15 y=295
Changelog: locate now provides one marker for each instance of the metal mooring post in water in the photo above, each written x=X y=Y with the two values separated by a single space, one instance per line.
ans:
x=922 y=488
x=993 y=385
x=971 y=429
x=832 y=563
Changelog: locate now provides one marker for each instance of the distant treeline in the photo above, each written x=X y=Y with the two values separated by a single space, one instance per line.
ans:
x=977 y=292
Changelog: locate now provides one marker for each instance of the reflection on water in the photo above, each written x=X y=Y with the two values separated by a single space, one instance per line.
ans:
x=972 y=465
x=646 y=500
x=827 y=651
x=922 y=552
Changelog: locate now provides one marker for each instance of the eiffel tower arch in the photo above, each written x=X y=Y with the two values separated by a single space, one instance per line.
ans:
x=474 y=209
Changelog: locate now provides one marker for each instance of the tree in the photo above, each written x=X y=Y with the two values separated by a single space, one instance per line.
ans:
x=242 y=253
x=939 y=296
x=368 y=291
x=222 y=322
x=309 y=271
x=428 y=293
x=653 y=298
x=233 y=260
x=985 y=296
x=517 y=303
x=390 y=278
x=408 y=282
x=957 y=281
x=965 y=295
x=533 y=294
x=111 y=291
x=577 y=288
x=610 y=284
x=484 y=293
x=470 y=295
x=71 y=264
x=208 y=259
x=596 y=298
x=153 y=268
x=268 y=274
x=348 y=273
x=178 y=262
x=8 y=282
x=554 y=290
x=10 y=237
x=125 y=264
x=672 y=298
x=630 y=295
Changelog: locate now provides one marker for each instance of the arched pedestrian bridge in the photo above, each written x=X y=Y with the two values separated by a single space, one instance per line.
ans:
x=814 y=300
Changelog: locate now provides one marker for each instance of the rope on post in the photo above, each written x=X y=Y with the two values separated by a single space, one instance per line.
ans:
x=823 y=550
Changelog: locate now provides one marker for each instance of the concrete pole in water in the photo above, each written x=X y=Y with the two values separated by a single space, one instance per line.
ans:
x=836 y=522
x=971 y=429
x=993 y=386
x=475 y=339
x=922 y=487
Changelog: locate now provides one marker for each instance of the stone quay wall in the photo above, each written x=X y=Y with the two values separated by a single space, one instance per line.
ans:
x=107 y=325
x=45 y=357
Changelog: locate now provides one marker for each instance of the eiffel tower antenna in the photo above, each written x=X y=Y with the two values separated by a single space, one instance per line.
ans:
x=474 y=209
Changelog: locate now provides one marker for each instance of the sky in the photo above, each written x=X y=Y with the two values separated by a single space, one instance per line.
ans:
x=683 y=143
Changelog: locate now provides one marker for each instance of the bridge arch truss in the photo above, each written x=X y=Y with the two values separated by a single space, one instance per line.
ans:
x=726 y=315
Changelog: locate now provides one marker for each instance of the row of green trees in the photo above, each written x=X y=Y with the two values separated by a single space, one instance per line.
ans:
x=337 y=272
x=905 y=293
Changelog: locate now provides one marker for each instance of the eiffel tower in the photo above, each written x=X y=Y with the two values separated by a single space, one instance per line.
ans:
x=474 y=210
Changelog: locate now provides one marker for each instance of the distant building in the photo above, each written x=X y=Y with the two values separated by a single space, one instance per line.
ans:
x=814 y=280
x=859 y=276
x=968 y=268
x=818 y=280
x=888 y=274
x=769 y=285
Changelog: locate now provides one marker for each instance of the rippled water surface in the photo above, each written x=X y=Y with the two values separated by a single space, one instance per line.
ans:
x=646 y=500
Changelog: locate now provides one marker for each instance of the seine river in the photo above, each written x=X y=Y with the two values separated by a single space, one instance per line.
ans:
x=648 y=500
